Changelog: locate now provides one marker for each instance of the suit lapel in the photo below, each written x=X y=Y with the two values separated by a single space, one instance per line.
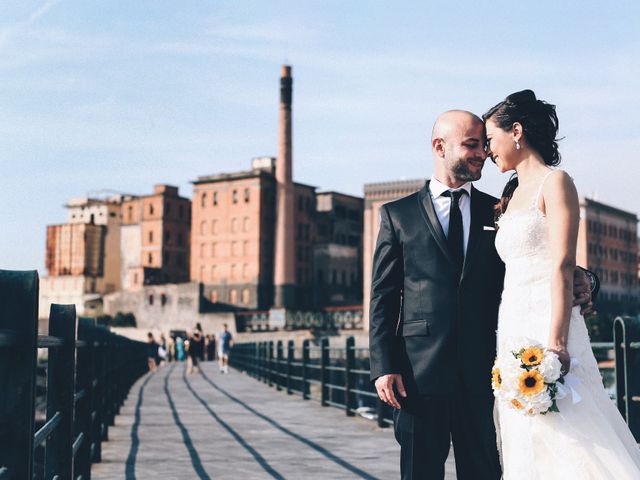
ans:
x=475 y=231
x=431 y=219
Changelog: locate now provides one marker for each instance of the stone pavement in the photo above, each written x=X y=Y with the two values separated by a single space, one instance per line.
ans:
x=178 y=426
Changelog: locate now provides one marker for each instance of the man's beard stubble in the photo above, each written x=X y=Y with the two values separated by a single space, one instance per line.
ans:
x=461 y=172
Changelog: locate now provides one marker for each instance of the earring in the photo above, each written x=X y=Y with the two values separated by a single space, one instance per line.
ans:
x=517 y=145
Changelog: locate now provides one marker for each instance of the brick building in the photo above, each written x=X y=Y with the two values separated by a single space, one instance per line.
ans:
x=608 y=245
x=233 y=230
x=155 y=240
x=83 y=255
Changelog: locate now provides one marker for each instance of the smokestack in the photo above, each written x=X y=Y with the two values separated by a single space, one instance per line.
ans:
x=284 y=271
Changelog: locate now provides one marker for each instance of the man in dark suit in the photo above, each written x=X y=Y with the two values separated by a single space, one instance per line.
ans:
x=436 y=287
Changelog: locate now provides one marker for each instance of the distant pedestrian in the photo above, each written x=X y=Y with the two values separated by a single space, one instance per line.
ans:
x=162 y=349
x=180 y=349
x=152 y=353
x=196 y=351
x=225 y=342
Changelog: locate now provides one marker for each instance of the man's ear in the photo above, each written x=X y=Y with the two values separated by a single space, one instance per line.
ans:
x=438 y=147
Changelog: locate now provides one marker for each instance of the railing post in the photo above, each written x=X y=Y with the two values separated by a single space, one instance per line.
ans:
x=84 y=410
x=350 y=360
x=279 y=362
x=264 y=362
x=60 y=392
x=270 y=362
x=621 y=347
x=19 y=330
x=290 y=354
x=305 y=373
x=324 y=362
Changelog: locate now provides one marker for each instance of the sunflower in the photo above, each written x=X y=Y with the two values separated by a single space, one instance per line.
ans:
x=516 y=404
x=531 y=356
x=496 y=379
x=531 y=383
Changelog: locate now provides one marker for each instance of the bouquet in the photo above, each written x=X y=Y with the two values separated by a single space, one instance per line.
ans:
x=527 y=378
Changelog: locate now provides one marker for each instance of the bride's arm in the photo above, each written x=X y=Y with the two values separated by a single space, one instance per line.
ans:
x=563 y=216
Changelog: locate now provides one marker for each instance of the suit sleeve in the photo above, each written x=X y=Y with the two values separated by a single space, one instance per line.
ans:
x=385 y=306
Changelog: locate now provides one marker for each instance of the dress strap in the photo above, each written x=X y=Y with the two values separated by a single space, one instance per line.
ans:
x=536 y=201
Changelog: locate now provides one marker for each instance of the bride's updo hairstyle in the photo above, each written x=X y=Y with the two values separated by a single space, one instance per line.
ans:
x=539 y=125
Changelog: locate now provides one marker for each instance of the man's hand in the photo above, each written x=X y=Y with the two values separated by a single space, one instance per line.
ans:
x=582 y=291
x=384 y=386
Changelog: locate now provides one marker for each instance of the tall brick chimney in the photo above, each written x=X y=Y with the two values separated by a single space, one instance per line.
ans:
x=284 y=272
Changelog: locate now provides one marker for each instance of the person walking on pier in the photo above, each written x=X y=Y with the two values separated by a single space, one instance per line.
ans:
x=152 y=353
x=196 y=351
x=225 y=342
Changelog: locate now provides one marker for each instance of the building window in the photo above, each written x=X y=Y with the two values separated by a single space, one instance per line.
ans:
x=234 y=196
x=129 y=213
x=245 y=296
x=234 y=225
x=201 y=277
x=150 y=259
x=202 y=250
x=203 y=227
x=151 y=236
x=213 y=249
x=213 y=296
x=245 y=224
x=233 y=296
x=203 y=200
x=246 y=195
x=245 y=247
x=151 y=209
x=214 y=226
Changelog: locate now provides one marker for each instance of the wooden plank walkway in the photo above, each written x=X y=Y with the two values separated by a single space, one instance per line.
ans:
x=178 y=426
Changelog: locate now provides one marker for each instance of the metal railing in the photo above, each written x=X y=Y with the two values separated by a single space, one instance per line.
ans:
x=339 y=376
x=332 y=376
x=87 y=380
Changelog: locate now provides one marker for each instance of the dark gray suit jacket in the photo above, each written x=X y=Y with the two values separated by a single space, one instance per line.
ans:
x=427 y=323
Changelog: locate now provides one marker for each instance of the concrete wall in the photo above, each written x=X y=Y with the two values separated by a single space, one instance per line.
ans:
x=166 y=307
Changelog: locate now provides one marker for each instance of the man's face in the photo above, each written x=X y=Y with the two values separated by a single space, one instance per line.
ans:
x=465 y=151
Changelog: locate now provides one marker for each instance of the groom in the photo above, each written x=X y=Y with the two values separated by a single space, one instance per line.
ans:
x=436 y=287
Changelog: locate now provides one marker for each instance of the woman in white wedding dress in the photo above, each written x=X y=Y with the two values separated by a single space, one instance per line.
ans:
x=537 y=236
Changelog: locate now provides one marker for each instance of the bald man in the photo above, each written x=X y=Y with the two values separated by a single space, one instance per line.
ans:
x=434 y=310
x=436 y=288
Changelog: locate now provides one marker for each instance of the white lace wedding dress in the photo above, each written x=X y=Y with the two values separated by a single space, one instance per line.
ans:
x=586 y=440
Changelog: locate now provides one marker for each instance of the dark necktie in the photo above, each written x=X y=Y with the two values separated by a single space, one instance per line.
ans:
x=455 y=237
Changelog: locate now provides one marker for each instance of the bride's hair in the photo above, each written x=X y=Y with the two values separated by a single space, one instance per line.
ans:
x=539 y=125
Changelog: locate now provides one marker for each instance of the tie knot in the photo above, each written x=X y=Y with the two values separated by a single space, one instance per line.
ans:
x=455 y=195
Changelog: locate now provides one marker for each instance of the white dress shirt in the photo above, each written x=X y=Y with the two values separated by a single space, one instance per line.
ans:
x=442 y=204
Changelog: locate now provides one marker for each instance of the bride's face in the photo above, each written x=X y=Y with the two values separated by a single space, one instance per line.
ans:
x=501 y=147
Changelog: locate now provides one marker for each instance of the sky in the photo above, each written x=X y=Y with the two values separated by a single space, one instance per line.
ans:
x=100 y=96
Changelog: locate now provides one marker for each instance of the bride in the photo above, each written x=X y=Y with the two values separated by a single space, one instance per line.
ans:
x=538 y=218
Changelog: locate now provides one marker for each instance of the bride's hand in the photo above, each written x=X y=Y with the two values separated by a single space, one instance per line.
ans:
x=565 y=359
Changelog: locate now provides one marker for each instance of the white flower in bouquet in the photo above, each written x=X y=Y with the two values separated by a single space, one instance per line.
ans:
x=550 y=367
